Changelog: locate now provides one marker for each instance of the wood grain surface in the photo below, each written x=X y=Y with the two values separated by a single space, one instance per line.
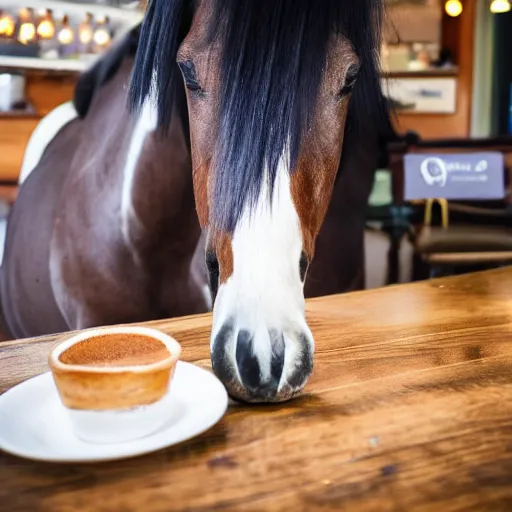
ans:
x=409 y=408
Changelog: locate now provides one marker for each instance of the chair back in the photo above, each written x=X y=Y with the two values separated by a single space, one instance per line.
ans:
x=468 y=176
x=407 y=155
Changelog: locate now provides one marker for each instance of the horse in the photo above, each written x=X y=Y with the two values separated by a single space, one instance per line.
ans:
x=200 y=166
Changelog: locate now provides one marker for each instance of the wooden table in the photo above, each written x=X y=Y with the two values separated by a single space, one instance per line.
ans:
x=410 y=408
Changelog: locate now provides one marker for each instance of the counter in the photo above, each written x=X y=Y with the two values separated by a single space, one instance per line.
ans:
x=408 y=409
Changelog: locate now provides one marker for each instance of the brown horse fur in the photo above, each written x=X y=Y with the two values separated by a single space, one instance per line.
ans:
x=67 y=265
x=73 y=260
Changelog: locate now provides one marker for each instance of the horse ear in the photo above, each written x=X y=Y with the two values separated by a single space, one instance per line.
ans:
x=103 y=70
x=154 y=68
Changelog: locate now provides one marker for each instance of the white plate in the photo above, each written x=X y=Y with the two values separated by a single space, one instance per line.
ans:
x=34 y=423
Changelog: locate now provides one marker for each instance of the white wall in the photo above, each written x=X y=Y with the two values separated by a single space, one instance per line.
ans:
x=481 y=112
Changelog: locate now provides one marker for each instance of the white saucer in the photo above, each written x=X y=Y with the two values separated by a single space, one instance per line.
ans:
x=34 y=423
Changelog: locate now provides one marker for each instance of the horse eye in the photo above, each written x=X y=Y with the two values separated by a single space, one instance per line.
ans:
x=188 y=70
x=303 y=266
x=350 y=80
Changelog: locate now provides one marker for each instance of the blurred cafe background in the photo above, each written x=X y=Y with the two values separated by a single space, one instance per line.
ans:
x=446 y=69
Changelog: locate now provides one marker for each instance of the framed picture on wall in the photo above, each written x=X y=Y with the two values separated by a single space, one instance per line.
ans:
x=422 y=95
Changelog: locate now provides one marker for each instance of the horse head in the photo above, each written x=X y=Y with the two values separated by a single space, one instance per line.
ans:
x=269 y=85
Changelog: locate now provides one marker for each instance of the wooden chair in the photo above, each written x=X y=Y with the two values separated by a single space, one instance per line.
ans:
x=482 y=239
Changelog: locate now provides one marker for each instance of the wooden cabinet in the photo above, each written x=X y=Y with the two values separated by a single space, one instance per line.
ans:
x=44 y=92
x=15 y=132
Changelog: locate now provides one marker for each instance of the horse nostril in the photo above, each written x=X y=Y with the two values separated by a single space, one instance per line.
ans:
x=260 y=384
x=251 y=364
x=220 y=359
x=247 y=362
x=298 y=378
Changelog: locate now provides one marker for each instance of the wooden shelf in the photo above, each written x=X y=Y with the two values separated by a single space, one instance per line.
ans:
x=20 y=114
x=35 y=63
x=428 y=73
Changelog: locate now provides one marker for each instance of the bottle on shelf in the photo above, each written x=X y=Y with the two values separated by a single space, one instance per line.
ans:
x=46 y=25
x=7 y=25
x=27 y=29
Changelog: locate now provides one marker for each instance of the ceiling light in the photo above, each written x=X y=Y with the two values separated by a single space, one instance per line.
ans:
x=500 y=6
x=453 y=8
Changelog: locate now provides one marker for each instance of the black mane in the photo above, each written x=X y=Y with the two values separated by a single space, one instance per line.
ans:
x=103 y=70
x=272 y=61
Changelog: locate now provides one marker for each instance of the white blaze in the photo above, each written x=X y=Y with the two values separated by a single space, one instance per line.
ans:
x=265 y=290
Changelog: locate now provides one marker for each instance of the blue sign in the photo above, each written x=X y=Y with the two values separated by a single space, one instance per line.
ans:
x=461 y=176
